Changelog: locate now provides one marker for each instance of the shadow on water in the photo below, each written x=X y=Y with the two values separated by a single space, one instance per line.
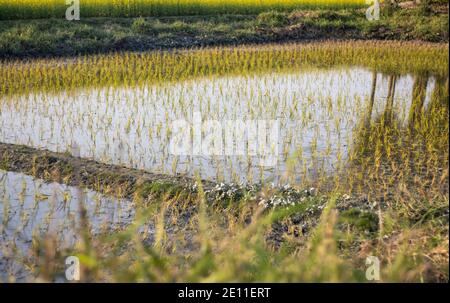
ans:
x=391 y=149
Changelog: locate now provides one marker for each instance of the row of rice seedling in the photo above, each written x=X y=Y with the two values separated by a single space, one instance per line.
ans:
x=317 y=110
x=410 y=237
x=156 y=67
x=25 y=9
x=132 y=126
x=398 y=161
x=385 y=126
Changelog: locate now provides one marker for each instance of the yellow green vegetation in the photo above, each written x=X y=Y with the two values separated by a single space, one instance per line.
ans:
x=389 y=199
x=155 y=67
x=24 y=9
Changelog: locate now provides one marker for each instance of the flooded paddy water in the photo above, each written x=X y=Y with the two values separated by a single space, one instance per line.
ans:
x=317 y=112
x=328 y=122
x=32 y=209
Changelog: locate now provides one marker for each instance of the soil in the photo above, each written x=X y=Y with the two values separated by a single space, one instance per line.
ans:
x=75 y=171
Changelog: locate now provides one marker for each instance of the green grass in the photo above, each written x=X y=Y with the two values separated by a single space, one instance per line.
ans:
x=55 y=38
x=330 y=252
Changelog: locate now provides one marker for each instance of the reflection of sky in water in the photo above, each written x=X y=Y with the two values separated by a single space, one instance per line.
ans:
x=317 y=111
x=30 y=207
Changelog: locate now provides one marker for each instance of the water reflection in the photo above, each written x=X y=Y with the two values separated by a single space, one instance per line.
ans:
x=31 y=209
x=389 y=146
x=318 y=112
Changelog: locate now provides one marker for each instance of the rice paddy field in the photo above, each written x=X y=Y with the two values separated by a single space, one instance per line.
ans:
x=361 y=164
x=153 y=142
x=31 y=9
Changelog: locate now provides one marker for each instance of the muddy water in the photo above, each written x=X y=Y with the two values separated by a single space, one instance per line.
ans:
x=317 y=112
x=31 y=209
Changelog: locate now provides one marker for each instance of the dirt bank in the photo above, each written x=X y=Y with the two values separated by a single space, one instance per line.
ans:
x=74 y=171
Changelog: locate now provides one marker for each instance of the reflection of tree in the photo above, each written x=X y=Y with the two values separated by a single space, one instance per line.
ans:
x=439 y=97
x=383 y=146
x=434 y=120
x=418 y=99
x=372 y=97
x=388 y=112
x=377 y=125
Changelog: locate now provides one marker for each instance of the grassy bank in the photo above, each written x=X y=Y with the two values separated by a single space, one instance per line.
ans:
x=57 y=37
